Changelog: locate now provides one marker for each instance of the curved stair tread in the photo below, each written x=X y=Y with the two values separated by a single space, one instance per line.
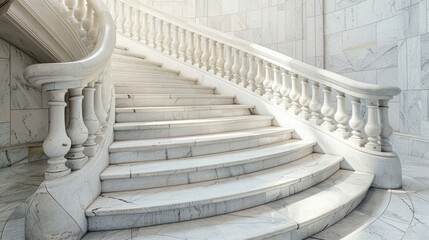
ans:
x=190 y=122
x=161 y=85
x=199 y=163
x=150 y=144
x=172 y=96
x=181 y=108
x=190 y=195
x=295 y=217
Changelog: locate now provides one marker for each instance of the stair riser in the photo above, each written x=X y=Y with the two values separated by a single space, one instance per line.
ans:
x=143 y=70
x=189 y=130
x=111 y=222
x=185 y=115
x=117 y=62
x=123 y=78
x=329 y=220
x=157 y=102
x=146 y=182
x=171 y=152
x=161 y=90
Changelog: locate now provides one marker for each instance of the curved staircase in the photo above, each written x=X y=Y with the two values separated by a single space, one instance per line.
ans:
x=182 y=153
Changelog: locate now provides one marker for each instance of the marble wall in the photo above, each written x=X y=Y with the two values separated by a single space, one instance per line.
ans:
x=292 y=27
x=23 y=108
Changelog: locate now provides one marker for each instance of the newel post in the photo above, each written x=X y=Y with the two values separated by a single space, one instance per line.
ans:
x=57 y=143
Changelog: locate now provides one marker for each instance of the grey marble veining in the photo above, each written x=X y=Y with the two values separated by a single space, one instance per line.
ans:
x=4 y=90
x=4 y=49
x=23 y=94
x=29 y=126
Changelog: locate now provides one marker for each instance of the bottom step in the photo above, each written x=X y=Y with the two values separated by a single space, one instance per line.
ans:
x=296 y=217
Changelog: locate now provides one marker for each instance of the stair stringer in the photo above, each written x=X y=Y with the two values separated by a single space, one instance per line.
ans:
x=385 y=166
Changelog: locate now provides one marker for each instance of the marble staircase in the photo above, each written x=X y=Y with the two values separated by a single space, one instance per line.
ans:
x=188 y=163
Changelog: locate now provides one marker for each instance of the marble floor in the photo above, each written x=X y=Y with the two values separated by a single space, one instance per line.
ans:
x=384 y=214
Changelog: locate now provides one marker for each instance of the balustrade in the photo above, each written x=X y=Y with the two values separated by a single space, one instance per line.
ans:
x=286 y=84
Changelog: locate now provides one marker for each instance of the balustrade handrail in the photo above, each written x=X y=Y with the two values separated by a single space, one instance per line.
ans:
x=81 y=72
x=328 y=78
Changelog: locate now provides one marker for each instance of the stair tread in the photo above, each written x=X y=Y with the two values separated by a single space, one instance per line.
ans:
x=190 y=122
x=182 y=108
x=199 y=163
x=285 y=215
x=166 y=198
x=171 y=96
x=161 y=85
x=151 y=144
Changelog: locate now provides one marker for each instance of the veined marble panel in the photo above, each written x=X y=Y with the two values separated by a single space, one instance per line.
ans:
x=214 y=7
x=23 y=94
x=408 y=22
x=229 y=6
x=413 y=63
x=12 y=156
x=360 y=38
x=254 y=19
x=248 y=5
x=424 y=60
x=28 y=126
x=4 y=134
x=387 y=30
x=238 y=22
x=4 y=49
x=4 y=90
x=410 y=112
x=334 y=22
x=371 y=11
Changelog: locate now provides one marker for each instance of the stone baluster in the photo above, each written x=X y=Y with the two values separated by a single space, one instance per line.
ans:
x=198 y=51
x=93 y=33
x=152 y=32
x=182 y=45
x=57 y=143
x=167 y=39
x=145 y=29
x=120 y=22
x=341 y=116
x=251 y=74
x=228 y=63
x=277 y=98
x=159 y=39
x=206 y=54
x=175 y=42
x=268 y=83
x=220 y=60
x=356 y=123
x=243 y=70
x=386 y=129
x=100 y=112
x=213 y=57
x=259 y=77
x=113 y=9
x=71 y=6
x=304 y=100
x=328 y=110
x=294 y=95
x=285 y=89
x=90 y=119
x=373 y=128
x=235 y=66
x=137 y=24
x=62 y=6
x=77 y=131
x=87 y=23
x=80 y=14
x=129 y=21
x=191 y=48
x=315 y=104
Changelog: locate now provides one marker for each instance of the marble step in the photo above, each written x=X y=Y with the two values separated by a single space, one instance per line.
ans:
x=132 y=78
x=180 y=112
x=155 y=100
x=189 y=146
x=161 y=88
x=123 y=48
x=292 y=218
x=133 y=62
x=132 y=209
x=119 y=52
x=177 y=128
x=144 y=70
x=137 y=176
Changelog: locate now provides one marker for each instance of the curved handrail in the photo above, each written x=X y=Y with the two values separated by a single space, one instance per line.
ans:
x=331 y=79
x=81 y=72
